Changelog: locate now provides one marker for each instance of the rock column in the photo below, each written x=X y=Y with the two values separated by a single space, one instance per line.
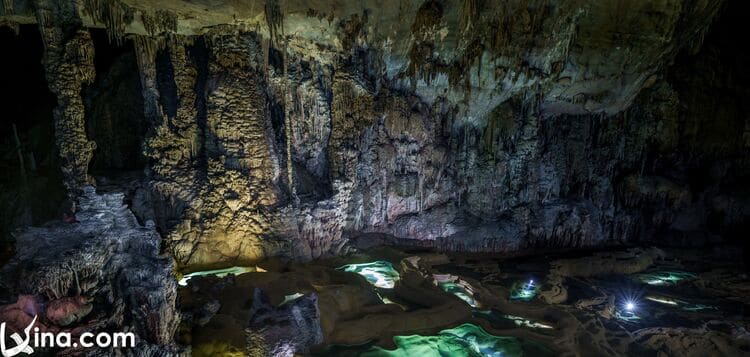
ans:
x=69 y=65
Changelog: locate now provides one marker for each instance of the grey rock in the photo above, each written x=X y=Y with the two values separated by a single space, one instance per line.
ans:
x=104 y=272
x=283 y=331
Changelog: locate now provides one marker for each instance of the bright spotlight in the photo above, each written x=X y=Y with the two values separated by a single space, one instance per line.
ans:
x=628 y=310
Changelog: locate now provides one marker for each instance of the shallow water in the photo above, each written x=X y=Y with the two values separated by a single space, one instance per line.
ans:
x=219 y=273
x=510 y=308
x=380 y=273
x=466 y=340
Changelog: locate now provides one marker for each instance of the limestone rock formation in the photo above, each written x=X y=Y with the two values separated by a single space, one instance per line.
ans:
x=310 y=129
x=287 y=330
x=101 y=273
x=68 y=61
x=288 y=127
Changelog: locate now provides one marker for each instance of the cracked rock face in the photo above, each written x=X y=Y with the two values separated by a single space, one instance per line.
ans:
x=288 y=127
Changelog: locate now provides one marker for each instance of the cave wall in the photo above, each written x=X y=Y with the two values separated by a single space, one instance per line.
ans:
x=466 y=125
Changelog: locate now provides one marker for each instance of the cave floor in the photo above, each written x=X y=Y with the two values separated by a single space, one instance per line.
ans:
x=391 y=302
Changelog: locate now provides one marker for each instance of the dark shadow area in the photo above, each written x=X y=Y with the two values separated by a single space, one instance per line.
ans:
x=31 y=189
x=115 y=117
x=165 y=83
x=715 y=104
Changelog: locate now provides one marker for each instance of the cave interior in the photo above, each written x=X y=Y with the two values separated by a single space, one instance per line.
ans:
x=377 y=178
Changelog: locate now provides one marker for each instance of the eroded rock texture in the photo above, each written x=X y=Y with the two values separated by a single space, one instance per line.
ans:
x=103 y=273
x=285 y=330
x=68 y=60
x=285 y=128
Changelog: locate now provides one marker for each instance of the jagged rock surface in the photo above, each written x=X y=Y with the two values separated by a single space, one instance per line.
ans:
x=285 y=330
x=69 y=64
x=100 y=274
x=285 y=128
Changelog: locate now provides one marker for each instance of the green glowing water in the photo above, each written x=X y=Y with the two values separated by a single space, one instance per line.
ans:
x=524 y=322
x=523 y=291
x=505 y=321
x=217 y=273
x=467 y=340
x=629 y=316
x=664 y=277
x=459 y=291
x=380 y=273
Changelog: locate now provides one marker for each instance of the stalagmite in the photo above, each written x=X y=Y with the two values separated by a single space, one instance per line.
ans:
x=237 y=135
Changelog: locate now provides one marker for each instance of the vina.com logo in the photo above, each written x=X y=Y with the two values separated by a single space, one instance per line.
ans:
x=60 y=340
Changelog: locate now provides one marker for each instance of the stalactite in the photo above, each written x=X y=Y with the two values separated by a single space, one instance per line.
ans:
x=468 y=14
x=185 y=75
x=265 y=44
x=384 y=205
x=7 y=7
x=288 y=127
x=274 y=20
x=113 y=14
x=161 y=22
x=146 y=49
x=175 y=141
x=421 y=177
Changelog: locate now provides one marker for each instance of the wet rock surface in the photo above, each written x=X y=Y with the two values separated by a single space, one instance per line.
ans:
x=286 y=330
x=671 y=314
x=317 y=132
